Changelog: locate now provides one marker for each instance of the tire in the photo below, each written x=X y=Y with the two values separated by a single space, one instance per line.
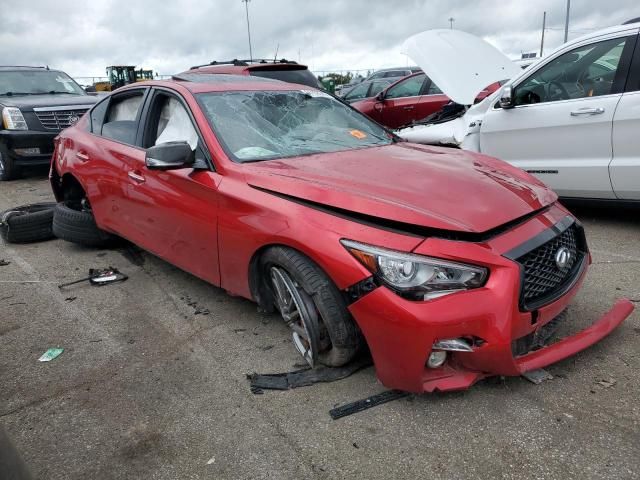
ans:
x=79 y=226
x=8 y=169
x=345 y=337
x=28 y=223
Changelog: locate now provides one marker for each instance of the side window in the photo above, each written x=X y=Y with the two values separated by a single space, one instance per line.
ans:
x=587 y=71
x=169 y=121
x=97 y=116
x=407 y=88
x=121 y=121
x=394 y=73
x=433 y=89
x=377 y=87
x=357 y=92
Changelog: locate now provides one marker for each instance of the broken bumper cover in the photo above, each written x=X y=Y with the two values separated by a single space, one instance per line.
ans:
x=400 y=333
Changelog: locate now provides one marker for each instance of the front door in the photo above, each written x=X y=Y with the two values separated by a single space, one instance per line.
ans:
x=173 y=213
x=560 y=129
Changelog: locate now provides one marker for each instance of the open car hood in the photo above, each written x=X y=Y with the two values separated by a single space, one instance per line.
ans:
x=433 y=187
x=459 y=63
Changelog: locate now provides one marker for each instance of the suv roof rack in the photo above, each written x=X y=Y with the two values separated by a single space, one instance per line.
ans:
x=25 y=66
x=244 y=63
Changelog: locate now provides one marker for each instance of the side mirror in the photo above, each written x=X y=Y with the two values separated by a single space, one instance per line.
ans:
x=380 y=96
x=170 y=156
x=507 y=99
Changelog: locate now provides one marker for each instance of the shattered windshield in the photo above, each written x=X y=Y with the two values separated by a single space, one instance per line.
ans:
x=264 y=125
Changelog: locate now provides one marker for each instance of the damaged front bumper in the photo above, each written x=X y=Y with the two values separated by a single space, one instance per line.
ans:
x=401 y=333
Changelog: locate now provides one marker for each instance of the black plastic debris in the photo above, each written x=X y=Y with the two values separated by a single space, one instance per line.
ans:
x=4 y=263
x=99 y=277
x=304 y=377
x=366 y=403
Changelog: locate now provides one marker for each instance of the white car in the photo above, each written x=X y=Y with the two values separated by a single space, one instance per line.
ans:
x=572 y=119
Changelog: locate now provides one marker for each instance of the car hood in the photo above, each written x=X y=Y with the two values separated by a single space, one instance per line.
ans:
x=461 y=64
x=28 y=102
x=413 y=184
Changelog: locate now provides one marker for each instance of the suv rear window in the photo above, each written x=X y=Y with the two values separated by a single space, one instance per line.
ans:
x=302 y=76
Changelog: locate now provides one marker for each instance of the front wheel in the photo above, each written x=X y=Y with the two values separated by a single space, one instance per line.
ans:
x=312 y=307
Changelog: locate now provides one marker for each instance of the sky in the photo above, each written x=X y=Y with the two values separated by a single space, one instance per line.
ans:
x=82 y=38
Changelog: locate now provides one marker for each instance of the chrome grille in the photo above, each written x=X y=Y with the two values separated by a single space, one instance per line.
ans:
x=56 y=120
x=542 y=279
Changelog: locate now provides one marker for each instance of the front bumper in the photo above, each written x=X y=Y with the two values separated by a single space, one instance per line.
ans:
x=22 y=139
x=400 y=332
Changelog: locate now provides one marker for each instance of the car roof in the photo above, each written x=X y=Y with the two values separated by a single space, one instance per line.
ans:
x=203 y=83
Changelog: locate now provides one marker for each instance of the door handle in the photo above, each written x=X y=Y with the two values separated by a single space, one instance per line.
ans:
x=409 y=107
x=587 y=111
x=136 y=176
x=82 y=156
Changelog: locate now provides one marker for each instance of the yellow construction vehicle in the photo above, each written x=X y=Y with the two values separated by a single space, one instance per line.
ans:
x=142 y=75
x=118 y=76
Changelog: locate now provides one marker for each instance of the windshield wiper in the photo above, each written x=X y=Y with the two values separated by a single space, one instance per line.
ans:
x=12 y=94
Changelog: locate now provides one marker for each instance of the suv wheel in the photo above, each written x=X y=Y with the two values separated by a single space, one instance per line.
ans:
x=8 y=170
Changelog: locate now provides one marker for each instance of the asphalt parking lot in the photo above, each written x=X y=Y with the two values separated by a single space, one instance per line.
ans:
x=152 y=383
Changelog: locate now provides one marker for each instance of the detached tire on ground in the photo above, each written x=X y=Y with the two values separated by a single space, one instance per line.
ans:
x=79 y=226
x=28 y=223
x=339 y=337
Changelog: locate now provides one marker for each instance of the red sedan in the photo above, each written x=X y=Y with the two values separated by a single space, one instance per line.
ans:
x=449 y=266
x=409 y=100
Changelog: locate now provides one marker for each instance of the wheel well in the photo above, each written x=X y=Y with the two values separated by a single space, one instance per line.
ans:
x=258 y=289
x=71 y=191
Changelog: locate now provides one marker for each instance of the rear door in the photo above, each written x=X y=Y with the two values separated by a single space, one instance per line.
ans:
x=173 y=213
x=561 y=128
x=104 y=155
x=625 y=166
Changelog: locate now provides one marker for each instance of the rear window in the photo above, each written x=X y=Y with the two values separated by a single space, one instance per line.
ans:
x=302 y=76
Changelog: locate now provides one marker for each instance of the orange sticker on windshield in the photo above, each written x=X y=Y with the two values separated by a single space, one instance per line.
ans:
x=358 y=134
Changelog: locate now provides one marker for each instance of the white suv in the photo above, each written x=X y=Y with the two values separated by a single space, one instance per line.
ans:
x=572 y=119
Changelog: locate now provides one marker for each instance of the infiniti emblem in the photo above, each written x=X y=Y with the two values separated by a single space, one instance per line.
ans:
x=563 y=257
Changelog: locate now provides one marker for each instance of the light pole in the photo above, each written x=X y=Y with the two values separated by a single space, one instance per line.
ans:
x=246 y=7
x=566 y=22
x=451 y=20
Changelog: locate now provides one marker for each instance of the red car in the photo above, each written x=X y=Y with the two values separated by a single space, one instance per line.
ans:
x=449 y=266
x=409 y=100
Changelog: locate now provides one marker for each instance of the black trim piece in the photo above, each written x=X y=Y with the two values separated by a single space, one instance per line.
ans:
x=357 y=291
x=540 y=239
x=402 y=227
x=632 y=83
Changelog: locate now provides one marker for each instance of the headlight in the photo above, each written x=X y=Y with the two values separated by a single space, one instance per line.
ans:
x=416 y=277
x=12 y=119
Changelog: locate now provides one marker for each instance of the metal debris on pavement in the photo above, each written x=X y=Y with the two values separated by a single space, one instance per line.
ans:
x=99 y=277
x=366 y=403
x=537 y=376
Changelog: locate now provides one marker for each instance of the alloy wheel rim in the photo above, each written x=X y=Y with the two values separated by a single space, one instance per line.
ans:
x=299 y=313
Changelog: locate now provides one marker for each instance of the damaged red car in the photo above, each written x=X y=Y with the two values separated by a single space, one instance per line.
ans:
x=448 y=266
